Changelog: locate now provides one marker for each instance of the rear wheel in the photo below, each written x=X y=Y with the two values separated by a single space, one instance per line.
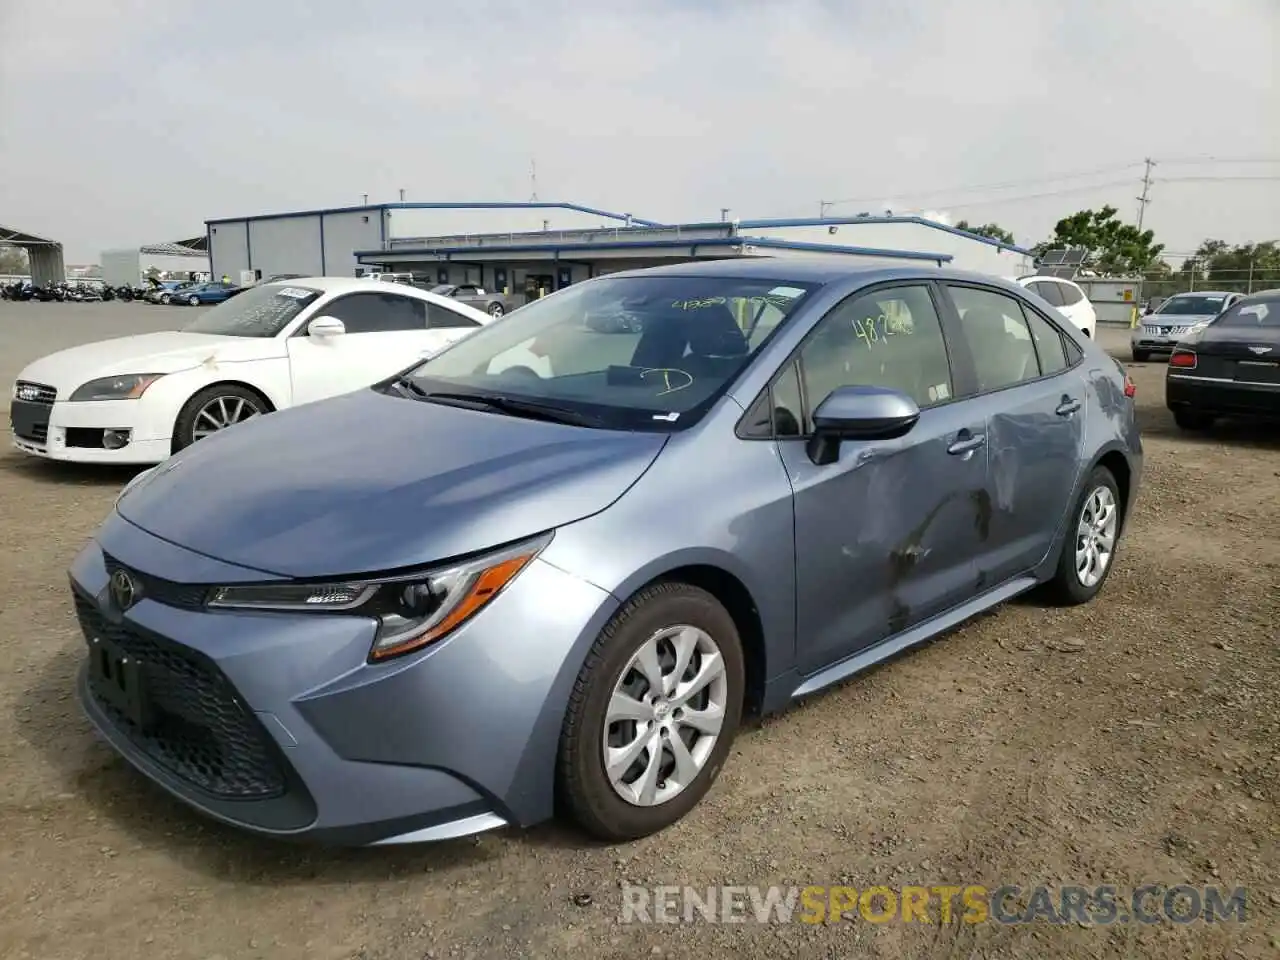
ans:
x=653 y=713
x=496 y=310
x=213 y=409
x=1089 y=549
x=193 y=301
x=1192 y=420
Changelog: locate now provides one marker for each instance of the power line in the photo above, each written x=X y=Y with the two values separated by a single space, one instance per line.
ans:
x=1208 y=159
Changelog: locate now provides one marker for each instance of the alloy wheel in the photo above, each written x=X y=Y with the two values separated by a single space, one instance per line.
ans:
x=220 y=413
x=1096 y=536
x=665 y=715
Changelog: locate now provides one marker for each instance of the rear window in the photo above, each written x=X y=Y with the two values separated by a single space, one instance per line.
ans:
x=1255 y=313
x=1070 y=295
x=1049 y=292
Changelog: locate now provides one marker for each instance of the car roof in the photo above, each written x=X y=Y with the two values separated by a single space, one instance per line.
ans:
x=1272 y=294
x=1036 y=276
x=1202 y=293
x=361 y=285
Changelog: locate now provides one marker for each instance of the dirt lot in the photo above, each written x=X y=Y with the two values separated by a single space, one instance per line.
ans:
x=1136 y=739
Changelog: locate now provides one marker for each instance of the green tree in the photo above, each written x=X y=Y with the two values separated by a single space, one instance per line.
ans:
x=1217 y=265
x=1114 y=247
x=992 y=230
x=13 y=260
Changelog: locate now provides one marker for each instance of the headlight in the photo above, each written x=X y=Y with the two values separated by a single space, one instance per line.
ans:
x=128 y=387
x=412 y=611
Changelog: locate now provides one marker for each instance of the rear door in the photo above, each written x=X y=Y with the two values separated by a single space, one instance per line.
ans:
x=1031 y=392
x=385 y=332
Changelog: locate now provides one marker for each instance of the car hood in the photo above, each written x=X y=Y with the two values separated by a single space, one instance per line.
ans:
x=1177 y=320
x=164 y=352
x=367 y=483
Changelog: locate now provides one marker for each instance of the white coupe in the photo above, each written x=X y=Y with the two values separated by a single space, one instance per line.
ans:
x=138 y=399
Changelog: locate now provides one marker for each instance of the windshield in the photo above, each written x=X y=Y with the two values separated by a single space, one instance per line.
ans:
x=632 y=352
x=1257 y=314
x=258 y=312
x=1197 y=306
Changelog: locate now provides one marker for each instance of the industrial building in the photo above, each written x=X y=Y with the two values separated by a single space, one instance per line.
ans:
x=170 y=260
x=538 y=247
x=44 y=257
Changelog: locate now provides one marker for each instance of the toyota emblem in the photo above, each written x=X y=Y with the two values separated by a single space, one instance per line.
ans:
x=124 y=592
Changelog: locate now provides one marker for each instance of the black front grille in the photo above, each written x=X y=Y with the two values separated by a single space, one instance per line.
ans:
x=34 y=392
x=36 y=433
x=181 y=595
x=200 y=729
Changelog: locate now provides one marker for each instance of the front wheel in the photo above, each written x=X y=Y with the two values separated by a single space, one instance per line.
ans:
x=193 y=301
x=653 y=713
x=212 y=409
x=1089 y=549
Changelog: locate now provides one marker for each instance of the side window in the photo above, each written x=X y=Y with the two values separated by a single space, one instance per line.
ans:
x=998 y=338
x=887 y=338
x=1048 y=341
x=1070 y=295
x=1074 y=353
x=442 y=318
x=1049 y=292
x=378 y=313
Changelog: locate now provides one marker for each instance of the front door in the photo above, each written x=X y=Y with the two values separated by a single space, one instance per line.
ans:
x=385 y=332
x=1032 y=393
x=886 y=536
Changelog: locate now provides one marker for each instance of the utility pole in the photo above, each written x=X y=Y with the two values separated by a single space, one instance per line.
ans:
x=365 y=200
x=823 y=207
x=533 y=181
x=1146 y=191
x=724 y=213
x=402 y=194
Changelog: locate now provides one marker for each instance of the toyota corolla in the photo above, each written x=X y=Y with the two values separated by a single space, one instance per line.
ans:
x=487 y=589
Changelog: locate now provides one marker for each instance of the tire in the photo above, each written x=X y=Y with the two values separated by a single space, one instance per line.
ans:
x=193 y=301
x=186 y=429
x=1068 y=587
x=496 y=310
x=1141 y=356
x=583 y=785
x=1193 y=420
x=164 y=298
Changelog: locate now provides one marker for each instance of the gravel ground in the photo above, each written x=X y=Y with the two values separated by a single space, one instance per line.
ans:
x=1135 y=739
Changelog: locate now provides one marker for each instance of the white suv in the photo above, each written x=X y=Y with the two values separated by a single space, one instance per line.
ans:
x=1067 y=299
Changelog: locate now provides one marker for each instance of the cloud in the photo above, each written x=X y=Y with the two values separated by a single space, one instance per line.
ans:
x=137 y=120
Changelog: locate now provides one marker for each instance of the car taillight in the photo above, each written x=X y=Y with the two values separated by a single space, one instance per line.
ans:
x=1130 y=388
x=1184 y=359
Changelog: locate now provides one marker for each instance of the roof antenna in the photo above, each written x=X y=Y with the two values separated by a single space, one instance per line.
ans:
x=533 y=181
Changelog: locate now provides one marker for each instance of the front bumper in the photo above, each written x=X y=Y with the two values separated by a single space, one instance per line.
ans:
x=1213 y=395
x=276 y=723
x=74 y=432
x=1151 y=338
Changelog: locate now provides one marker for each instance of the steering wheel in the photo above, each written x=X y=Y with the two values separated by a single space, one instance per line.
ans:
x=520 y=370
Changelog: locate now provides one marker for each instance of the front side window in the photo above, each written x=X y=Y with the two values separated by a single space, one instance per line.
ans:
x=377 y=313
x=998 y=337
x=642 y=352
x=258 y=312
x=888 y=338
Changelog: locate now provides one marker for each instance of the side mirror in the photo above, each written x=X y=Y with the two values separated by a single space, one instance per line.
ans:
x=325 y=327
x=859 y=413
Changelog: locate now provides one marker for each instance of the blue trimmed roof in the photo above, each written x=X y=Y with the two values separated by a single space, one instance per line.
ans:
x=693 y=242
x=444 y=205
x=839 y=221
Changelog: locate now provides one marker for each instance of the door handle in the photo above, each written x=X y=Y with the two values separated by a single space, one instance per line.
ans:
x=967 y=445
x=1067 y=407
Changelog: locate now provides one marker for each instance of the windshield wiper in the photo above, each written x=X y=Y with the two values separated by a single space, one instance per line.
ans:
x=405 y=382
x=529 y=409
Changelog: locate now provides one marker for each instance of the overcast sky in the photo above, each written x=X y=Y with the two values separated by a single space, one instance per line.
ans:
x=131 y=121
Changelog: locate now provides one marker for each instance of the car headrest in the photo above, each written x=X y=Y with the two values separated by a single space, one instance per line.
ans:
x=713 y=332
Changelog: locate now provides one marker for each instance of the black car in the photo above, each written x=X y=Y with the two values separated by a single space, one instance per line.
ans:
x=1229 y=366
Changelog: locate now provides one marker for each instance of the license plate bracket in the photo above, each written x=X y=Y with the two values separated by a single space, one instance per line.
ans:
x=1258 y=371
x=117 y=678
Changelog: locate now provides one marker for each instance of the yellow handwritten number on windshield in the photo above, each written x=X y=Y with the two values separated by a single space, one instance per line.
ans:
x=672 y=379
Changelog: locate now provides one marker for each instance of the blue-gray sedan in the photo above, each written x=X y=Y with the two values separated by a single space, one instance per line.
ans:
x=553 y=566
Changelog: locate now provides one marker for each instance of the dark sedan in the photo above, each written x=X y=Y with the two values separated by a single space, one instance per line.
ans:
x=1230 y=367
